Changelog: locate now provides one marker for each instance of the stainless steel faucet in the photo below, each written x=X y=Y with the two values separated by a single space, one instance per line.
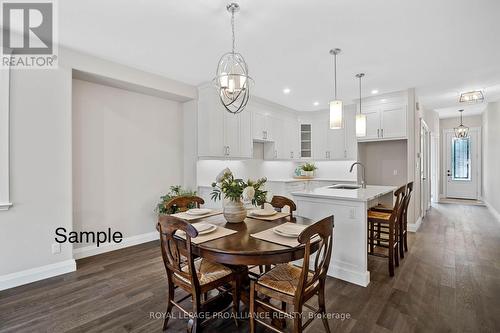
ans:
x=363 y=183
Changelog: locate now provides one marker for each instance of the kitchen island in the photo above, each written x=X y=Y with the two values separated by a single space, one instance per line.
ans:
x=348 y=204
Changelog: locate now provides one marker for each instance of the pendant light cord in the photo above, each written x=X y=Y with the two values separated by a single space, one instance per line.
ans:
x=232 y=27
x=360 y=94
x=335 y=75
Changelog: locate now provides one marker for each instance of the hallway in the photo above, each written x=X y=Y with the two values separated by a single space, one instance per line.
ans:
x=448 y=281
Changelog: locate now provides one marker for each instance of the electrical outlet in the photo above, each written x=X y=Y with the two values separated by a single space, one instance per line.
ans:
x=395 y=172
x=352 y=213
x=56 y=248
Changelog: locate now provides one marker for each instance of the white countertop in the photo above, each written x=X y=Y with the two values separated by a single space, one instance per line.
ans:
x=291 y=180
x=362 y=194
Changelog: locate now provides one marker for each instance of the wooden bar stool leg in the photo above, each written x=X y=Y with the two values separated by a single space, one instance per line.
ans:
x=391 y=250
x=396 y=244
x=401 y=240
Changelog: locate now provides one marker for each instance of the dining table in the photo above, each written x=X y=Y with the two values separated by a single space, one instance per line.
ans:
x=243 y=250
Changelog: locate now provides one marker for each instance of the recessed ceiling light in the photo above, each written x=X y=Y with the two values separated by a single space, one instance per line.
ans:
x=286 y=91
x=374 y=91
x=316 y=103
x=383 y=100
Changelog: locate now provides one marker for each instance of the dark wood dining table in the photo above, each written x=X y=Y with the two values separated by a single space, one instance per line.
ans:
x=241 y=249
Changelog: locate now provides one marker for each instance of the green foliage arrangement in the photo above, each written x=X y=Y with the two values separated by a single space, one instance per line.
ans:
x=175 y=191
x=234 y=189
x=309 y=167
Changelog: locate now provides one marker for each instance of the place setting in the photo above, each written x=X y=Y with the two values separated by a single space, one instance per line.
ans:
x=207 y=232
x=197 y=213
x=268 y=214
x=283 y=234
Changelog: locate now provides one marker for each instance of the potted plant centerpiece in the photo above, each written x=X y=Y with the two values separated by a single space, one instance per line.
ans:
x=308 y=170
x=234 y=190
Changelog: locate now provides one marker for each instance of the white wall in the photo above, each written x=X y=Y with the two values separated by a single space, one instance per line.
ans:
x=491 y=156
x=41 y=162
x=127 y=151
x=40 y=170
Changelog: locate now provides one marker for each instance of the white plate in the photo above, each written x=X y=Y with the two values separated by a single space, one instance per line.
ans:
x=278 y=232
x=198 y=211
x=204 y=228
x=264 y=212
x=289 y=230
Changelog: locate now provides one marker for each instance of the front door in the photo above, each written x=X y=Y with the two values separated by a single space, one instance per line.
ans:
x=463 y=165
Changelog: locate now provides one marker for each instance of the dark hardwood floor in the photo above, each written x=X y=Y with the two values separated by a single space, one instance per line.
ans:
x=449 y=281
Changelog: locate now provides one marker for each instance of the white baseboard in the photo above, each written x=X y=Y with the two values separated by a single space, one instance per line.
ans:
x=493 y=211
x=35 y=274
x=339 y=271
x=413 y=227
x=93 y=250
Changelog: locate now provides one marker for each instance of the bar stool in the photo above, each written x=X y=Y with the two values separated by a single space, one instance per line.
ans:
x=403 y=226
x=383 y=230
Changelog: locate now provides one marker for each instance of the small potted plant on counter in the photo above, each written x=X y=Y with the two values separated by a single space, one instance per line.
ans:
x=234 y=191
x=308 y=170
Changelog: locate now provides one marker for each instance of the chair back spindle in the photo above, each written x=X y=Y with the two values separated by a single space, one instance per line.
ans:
x=176 y=253
x=324 y=230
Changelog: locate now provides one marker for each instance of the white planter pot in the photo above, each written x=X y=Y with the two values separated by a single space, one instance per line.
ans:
x=234 y=211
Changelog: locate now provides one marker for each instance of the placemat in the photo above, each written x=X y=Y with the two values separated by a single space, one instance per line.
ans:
x=270 y=236
x=218 y=233
x=276 y=216
x=189 y=217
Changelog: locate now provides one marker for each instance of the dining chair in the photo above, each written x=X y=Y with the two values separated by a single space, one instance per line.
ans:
x=403 y=226
x=296 y=285
x=279 y=202
x=196 y=277
x=181 y=204
x=383 y=230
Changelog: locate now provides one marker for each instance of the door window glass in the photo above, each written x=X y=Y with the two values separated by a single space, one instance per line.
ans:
x=460 y=157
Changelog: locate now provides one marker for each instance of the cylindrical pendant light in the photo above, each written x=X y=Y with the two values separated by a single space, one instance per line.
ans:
x=360 y=118
x=336 y=104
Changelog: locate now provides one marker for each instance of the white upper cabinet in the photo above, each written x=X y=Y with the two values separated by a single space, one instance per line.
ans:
x=210 y=124
x=262 y=126
x=386 y=117
x=222 y=134
x=393 y=121
x=333 y=144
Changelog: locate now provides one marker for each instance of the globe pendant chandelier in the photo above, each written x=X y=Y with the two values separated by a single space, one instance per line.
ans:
x=232 y=80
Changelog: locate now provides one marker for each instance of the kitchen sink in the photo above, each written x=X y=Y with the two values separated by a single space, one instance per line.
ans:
x=345 y=187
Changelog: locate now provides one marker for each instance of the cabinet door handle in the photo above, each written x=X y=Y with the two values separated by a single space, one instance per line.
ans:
x=382 y=132
x=291 y=154
x=345 y=153
x=378 y=132
x=228 y=150
x=275 y=154
x=264 y=135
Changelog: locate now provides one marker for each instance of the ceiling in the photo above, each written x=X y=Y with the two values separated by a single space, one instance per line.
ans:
x=440 y=47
